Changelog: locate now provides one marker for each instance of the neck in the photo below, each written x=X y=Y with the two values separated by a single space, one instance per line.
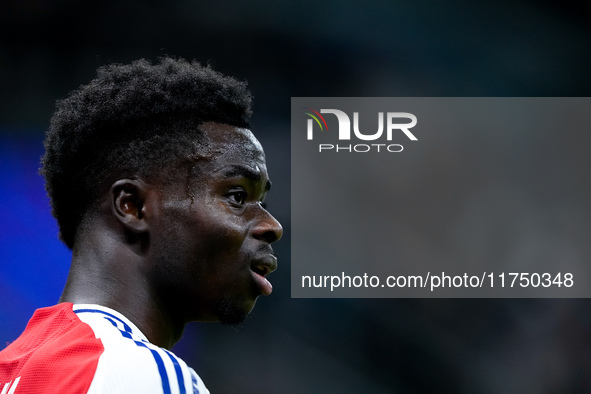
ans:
x=104 y=272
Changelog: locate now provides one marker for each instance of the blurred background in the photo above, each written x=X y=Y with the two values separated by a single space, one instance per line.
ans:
x=324 y=48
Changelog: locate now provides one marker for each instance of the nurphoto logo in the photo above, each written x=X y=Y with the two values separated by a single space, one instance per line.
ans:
x=394 y=123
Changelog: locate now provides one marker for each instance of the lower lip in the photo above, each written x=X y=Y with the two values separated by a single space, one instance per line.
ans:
x=264 y=285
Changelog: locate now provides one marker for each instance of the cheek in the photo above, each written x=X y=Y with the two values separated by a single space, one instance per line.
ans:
x=218 y=242
x=205 y=238
x=223 y=227
x=222 y=248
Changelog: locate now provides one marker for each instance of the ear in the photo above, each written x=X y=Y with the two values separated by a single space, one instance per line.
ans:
x=127 y=199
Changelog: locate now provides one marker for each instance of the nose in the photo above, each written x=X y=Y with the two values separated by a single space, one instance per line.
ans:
x=267 y=228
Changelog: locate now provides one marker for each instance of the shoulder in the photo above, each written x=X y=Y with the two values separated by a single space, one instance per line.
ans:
x=56 y=351
x=131 y=364
x=91 y=349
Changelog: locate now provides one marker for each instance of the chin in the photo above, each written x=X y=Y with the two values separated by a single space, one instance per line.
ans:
x=231 y=312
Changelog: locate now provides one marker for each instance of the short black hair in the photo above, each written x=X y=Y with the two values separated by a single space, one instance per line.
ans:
x=134 y=119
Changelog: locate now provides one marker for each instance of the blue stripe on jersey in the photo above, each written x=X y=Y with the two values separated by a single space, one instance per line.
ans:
x=157 y=358
x=195 y=384
x=125 y=334
x=161 y=369
x=179 y=372
x=125 y=325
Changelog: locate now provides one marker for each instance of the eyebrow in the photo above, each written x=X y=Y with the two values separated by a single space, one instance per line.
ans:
x=237 y=170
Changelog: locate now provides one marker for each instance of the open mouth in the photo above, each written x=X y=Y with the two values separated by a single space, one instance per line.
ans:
x=263 y=271
x=265 y=287
x=261 y=268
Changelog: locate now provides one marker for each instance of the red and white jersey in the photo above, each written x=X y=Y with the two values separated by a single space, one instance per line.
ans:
x=83 y=348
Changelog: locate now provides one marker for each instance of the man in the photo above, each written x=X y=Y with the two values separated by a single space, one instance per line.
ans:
x=157 y=185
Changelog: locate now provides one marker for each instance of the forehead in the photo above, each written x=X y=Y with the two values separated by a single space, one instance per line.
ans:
x=233 y=147
x=232 y=142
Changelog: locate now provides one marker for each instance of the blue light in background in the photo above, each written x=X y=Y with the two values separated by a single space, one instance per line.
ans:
x=33 y=262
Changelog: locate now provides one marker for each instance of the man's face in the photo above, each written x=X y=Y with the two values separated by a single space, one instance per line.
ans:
x=213 y=240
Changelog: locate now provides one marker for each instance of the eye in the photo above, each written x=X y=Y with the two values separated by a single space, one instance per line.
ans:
x=237 y=196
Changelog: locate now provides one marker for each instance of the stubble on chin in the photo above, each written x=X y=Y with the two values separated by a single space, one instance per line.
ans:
x=231 y=314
